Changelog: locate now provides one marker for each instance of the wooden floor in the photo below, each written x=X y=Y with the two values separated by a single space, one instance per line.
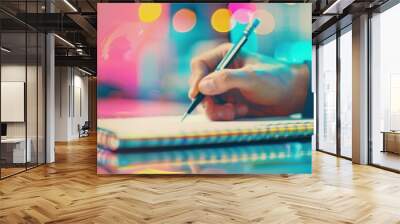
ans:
x=69 y=191
x=387 y=159
x=10 y=171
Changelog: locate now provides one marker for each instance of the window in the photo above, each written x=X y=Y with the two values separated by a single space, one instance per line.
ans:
x=327 y=96
x=385 y=89
x=346 y=93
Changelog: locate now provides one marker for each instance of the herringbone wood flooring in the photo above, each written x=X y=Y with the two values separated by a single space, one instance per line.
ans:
x=69 y=191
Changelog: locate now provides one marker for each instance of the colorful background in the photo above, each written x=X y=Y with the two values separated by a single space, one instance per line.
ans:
x=144 y=55
x=145 y=49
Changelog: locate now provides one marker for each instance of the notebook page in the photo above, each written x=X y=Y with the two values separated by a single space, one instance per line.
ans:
x=171 y=126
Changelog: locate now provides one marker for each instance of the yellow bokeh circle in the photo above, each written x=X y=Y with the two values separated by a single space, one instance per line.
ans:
x=149 y=12
x=221 y=20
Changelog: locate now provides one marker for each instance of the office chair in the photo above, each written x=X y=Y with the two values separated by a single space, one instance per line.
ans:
x=84 y=130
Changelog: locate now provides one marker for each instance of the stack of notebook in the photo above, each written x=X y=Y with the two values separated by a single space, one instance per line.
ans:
x=137 y=145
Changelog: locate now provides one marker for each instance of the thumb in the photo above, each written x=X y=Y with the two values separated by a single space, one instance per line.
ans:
x=221 y=81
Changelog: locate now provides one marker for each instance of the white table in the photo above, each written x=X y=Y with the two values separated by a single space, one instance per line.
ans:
x=19 y=155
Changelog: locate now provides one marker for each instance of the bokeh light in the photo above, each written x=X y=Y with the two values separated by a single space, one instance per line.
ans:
x=242 y=12
x=149 y=12
x=267 y=24
x=221 y=20
x=246 y=6
x=242 y=16
x=184 y=20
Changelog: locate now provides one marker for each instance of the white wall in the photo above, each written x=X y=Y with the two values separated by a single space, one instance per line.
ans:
x=12 y=101
x=80 y=110
x=71 y=102
x=62 y=81
x=16 y=73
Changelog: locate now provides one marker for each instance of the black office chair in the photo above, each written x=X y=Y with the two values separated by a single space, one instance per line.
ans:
x=84 y=130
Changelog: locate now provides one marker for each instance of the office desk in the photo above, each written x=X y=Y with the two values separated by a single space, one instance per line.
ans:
x=391 y=141
x=13 y=150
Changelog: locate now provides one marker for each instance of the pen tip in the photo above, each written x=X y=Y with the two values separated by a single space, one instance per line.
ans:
x=184 y=116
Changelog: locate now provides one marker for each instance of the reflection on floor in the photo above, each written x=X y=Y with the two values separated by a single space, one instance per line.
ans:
x=70 y=191
x=11 y=169
x=387 y=159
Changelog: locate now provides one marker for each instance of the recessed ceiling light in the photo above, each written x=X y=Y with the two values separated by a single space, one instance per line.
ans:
x=84 y=71
x=333 y=6
x=5 y=50
x=70 y=5
x=64 y=40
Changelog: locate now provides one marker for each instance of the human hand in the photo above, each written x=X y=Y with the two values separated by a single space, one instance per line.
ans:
x=252 y=86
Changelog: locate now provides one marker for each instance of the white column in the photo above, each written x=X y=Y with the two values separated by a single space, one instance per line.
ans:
x=360 y=90
x=50 y=92
x=50 y=109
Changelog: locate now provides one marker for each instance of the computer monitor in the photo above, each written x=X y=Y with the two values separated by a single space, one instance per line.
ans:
x=3 y=129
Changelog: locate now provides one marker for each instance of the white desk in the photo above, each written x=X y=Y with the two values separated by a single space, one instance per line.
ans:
x=19 y=155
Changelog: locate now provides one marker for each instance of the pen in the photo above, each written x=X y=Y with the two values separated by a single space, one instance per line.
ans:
x=228 y=58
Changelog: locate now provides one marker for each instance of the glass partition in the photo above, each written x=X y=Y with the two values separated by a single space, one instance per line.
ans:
x=22 y=91
x=32 y=96
x=14 y=153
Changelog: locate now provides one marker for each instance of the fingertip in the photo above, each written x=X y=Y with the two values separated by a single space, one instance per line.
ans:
x=192 y=93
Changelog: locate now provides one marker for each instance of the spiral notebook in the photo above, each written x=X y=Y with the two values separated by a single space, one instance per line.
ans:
x=125 y=134
x=290 y=152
